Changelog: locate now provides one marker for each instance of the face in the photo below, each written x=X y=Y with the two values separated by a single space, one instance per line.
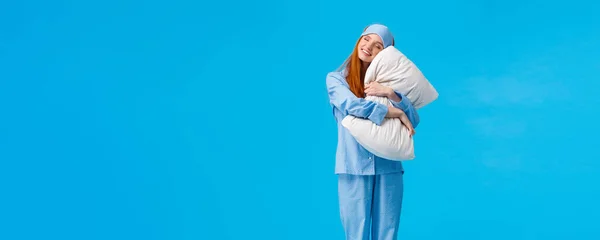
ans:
x=369 y=46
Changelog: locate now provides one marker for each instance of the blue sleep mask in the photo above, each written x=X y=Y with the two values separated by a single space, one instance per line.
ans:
x=382 y=31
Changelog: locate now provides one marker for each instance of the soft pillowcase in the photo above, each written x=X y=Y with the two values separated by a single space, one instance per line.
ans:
x=391 y=140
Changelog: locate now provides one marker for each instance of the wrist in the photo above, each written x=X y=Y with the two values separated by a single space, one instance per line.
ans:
x=393 y=96
x=390 y=93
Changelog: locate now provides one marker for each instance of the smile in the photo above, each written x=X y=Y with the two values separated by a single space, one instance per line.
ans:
x=364 y=51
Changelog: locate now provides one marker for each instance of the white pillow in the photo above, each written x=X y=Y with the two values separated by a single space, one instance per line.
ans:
x=393 y=69
x=391 y=140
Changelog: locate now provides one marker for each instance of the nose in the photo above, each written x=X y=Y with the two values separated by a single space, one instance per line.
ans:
x=370 y=45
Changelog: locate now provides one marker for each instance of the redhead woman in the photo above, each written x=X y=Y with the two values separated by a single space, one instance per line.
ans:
x=370 y=188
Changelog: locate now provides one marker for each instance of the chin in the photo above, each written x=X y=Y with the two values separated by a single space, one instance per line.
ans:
x=365 y=58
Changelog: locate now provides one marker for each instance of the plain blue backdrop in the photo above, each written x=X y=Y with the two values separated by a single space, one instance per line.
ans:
x=210 y=120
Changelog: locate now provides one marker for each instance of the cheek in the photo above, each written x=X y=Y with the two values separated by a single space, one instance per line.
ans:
x=375 y=52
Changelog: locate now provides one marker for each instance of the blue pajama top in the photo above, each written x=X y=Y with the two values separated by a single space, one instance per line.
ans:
x=351 y=157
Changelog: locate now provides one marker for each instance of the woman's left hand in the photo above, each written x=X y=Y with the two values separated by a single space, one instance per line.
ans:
x=376 y=89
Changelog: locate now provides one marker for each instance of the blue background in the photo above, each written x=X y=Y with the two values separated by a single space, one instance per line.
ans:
x=195 y=120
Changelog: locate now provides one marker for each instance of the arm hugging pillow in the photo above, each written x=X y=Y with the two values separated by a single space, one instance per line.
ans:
x=391 y=140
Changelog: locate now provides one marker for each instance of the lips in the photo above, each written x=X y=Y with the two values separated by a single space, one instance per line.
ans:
x=366 y=52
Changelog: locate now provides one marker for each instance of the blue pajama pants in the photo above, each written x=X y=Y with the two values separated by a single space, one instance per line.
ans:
x=370 y=205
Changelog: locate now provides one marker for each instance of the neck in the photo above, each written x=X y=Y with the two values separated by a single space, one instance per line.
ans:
x=363 y=71
x=363 y=67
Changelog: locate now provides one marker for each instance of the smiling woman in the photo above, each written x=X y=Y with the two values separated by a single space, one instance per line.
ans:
x=368 y=51
x=367 y=47
x=370 y=188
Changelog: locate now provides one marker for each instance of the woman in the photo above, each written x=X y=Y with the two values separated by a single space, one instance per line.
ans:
x=370 y=188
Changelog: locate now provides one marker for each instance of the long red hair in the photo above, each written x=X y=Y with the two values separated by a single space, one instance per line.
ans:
x=355 y=76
